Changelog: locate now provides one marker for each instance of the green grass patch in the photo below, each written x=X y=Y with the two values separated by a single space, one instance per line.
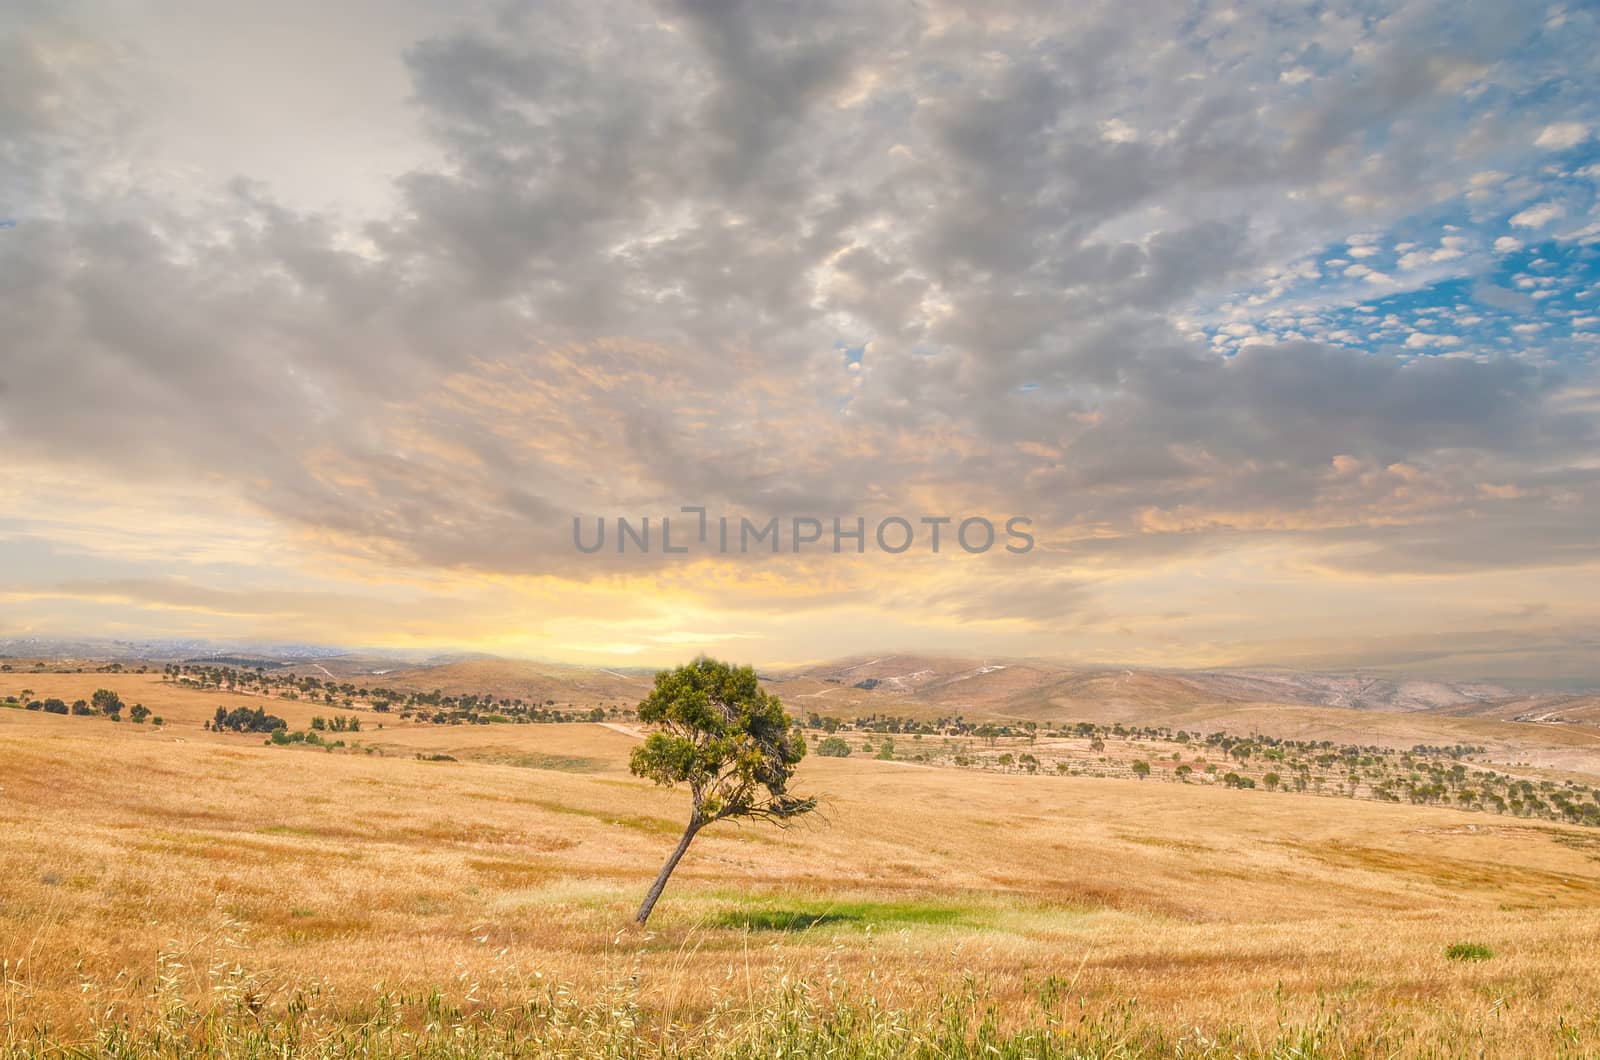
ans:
x=803 y=916
x=560 y=763
x=532 y=760
x=1468 y=951
x=637 y=822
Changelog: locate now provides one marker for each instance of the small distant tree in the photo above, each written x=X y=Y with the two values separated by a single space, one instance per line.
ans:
x=139 y=713
x=1141 y=769
x=1272 y=780
x=886 y=749
x=833 y=747
x=106 y=702
x=731 y=742
x=81 y=707
x=1183 y=772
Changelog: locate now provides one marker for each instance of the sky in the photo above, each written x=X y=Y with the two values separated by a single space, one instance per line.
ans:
x=1277 y=323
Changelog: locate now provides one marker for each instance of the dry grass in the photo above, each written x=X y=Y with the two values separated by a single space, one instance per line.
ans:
x=153 y=878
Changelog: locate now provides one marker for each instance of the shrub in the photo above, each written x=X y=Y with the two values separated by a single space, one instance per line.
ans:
x=51 y=706
x=81 y=707
x=833 y=747
x=139 y=713
x=106 y=702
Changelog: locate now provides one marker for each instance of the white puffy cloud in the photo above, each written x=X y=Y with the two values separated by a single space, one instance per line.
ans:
x=1562 y=135
x=1538 y=216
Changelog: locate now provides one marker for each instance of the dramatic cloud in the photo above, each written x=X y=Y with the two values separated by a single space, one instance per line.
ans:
x=1191 y=287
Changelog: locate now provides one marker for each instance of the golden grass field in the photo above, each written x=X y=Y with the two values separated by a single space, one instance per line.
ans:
x=180 y=891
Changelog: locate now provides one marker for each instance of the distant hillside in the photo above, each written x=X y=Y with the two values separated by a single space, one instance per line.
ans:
x=1357 y=691
x=536 y=682
x=1556 y=729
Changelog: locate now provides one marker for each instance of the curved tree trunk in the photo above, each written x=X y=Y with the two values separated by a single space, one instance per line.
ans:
x=666 y=871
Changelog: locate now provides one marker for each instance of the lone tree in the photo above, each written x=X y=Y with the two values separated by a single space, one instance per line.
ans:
x=732 y=743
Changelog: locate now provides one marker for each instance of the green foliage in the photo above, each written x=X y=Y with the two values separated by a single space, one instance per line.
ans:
x=243 y=719
x=721 y=734
x=139 y=713
x=1141 y=769
x=106 y=702
x=833 y=747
